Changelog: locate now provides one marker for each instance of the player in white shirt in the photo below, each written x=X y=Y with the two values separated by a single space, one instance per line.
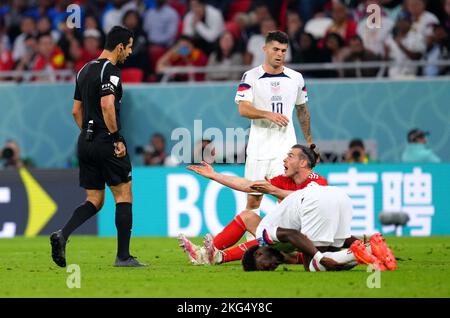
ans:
x=315 y=220
x=323 y=215
x=268 y=95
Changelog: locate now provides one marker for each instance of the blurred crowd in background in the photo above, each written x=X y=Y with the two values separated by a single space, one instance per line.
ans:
x=157 y=153
x=34 y=35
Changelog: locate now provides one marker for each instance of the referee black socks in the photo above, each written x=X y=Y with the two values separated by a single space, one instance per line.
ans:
x=79 y=216
x=124 y=221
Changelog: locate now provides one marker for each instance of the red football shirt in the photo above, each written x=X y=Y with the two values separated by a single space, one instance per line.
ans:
x=286 y=183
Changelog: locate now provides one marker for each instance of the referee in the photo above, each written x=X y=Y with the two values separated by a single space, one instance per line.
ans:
x=102 y=152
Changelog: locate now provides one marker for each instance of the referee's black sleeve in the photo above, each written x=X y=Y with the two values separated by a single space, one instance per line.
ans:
x=77 y=94
x=110 y=79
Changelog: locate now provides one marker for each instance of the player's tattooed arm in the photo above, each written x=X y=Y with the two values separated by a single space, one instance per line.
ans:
x=304 y=119
x=77 y=112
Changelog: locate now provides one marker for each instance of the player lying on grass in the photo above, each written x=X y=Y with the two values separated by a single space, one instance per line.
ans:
x=319 y=217
x=297 y=175
x=267 y=258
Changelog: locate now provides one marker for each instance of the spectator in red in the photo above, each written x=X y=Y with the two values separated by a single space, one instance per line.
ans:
x=342 y=23
x=50 y=56
x=74 y=56
x=91 y=48
x=6 y=61
x=184 y=53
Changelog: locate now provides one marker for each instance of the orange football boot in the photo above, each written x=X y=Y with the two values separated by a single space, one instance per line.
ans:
x=363 y=256
x=382 y=251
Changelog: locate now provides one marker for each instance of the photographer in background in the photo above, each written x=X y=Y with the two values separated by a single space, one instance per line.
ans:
x=10 y=155
x=154 y=154
x=356 y=152
x=416 y=150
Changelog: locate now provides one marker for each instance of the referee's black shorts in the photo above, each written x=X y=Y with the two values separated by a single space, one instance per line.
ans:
x=99 y=165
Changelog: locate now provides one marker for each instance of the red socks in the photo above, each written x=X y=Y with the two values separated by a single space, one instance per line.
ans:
x=236 y=253
x=230 y=235
x=299 y=258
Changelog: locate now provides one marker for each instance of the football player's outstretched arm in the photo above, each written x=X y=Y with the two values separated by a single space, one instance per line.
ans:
x=235 y=183
x=266 y=187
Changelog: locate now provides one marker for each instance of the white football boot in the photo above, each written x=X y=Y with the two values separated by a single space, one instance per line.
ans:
x=213 y=255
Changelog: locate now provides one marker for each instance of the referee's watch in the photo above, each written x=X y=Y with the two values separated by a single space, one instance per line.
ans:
x=116 y=137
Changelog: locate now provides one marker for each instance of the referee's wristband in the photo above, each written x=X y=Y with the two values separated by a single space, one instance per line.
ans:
x=318 y=257
x=116 y=137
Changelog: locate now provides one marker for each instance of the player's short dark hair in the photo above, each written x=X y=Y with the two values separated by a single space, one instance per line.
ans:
x=278 y=36
x=248 y=260
x=116 y=36
x=309 y=154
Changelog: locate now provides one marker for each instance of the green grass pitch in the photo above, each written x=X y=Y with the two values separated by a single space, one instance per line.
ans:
x=26 y=270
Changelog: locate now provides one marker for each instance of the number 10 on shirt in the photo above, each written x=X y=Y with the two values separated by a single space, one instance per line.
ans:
x=277 y=108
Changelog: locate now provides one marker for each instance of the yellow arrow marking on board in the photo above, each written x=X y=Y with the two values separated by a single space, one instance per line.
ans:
x=41 y=207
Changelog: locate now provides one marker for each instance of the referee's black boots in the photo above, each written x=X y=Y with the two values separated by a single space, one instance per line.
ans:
x=129 y=262
x=58 y=248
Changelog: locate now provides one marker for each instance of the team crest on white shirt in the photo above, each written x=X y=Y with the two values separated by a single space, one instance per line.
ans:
x=275 y=87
